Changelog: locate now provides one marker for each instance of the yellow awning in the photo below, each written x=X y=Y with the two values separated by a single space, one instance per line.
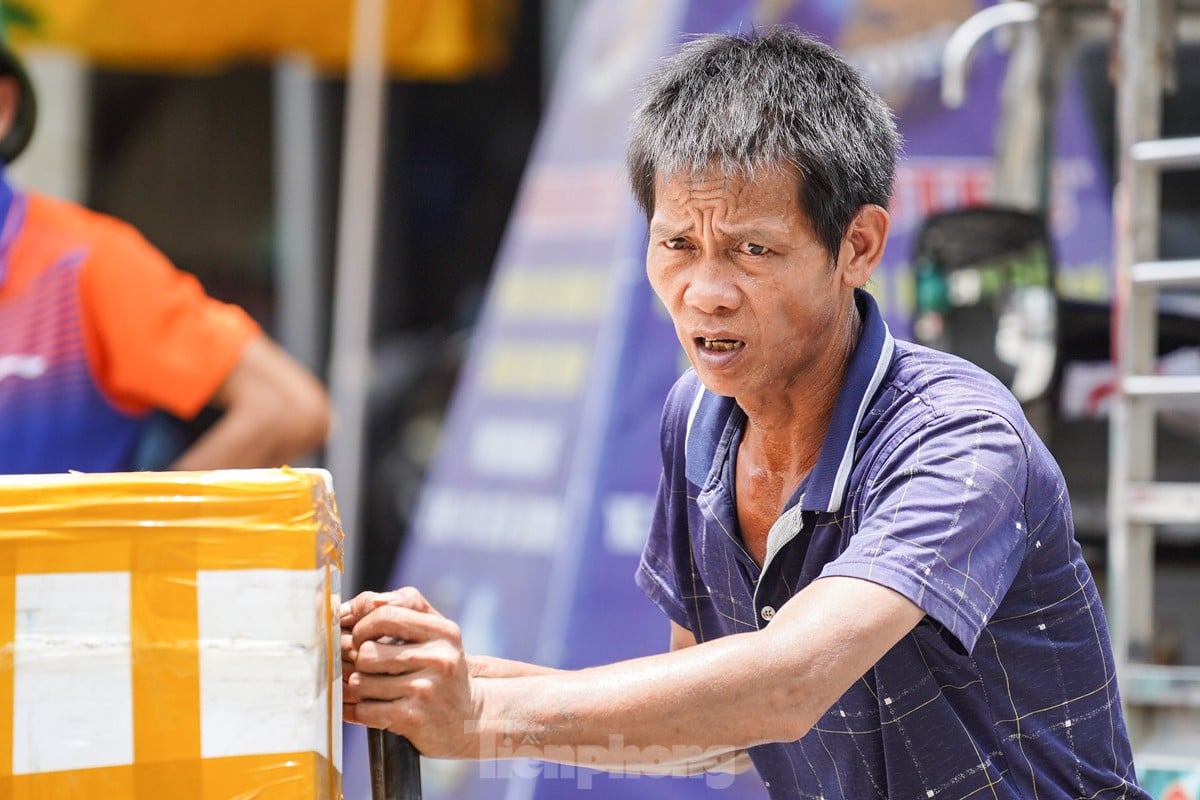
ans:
x=430 y=39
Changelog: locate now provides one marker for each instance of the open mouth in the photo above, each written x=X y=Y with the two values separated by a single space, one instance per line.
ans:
x=721 y=345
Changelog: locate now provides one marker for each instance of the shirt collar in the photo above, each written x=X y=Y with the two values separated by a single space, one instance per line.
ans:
x=825 y=488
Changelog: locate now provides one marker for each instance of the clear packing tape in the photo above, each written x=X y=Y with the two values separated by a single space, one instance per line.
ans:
x=170 y=635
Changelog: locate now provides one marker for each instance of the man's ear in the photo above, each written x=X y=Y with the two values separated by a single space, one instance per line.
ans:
x=10 y=103
x=863 y=245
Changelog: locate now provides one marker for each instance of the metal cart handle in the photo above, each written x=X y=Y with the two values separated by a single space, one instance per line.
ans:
x=395 y=766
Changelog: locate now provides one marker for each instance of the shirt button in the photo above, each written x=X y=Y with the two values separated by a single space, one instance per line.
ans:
x=767 y=613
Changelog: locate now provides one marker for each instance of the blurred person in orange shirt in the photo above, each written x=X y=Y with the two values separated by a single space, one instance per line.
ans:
x=98 y=331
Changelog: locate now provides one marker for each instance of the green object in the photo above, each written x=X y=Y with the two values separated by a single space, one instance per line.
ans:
x=933 y=291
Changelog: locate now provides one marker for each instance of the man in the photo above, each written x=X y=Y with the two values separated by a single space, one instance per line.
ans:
x=98 y=330
x=865 y=553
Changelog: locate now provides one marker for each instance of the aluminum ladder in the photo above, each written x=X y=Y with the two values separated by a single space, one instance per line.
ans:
x=1162 y=702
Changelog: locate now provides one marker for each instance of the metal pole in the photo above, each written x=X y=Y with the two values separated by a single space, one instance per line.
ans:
x=1131 y=429
x=300 y=312
x=395 y=766
x=557 y=19
x=354 y=280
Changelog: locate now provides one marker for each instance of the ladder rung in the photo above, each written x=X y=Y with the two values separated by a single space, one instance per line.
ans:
x=1166 y=273
x=1161 y=385
x=1161 y=685
x=1177 y=153
x=1164 y=503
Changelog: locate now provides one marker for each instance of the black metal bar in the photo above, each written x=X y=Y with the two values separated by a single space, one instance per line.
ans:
x=395 y=766
x=377 y=760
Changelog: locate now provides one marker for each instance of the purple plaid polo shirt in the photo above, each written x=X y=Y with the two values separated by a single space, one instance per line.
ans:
x=929 y=482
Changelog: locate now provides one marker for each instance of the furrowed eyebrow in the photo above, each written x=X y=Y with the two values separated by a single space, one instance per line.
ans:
x=667 y=230
x=750 y=233
x=754 y=234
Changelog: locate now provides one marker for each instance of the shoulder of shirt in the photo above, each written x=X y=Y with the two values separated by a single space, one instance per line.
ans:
x=943 y=384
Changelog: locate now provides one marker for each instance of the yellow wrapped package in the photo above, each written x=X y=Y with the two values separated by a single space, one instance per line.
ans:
x=170 y=635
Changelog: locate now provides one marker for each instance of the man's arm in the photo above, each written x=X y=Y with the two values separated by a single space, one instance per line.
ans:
x=711 y=697
x=734 y=760
x=274 y=411
x=681 y=763
x=493 y=667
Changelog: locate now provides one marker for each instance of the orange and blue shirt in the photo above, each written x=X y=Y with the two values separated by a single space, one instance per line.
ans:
x=930 y=482
x=97 y=330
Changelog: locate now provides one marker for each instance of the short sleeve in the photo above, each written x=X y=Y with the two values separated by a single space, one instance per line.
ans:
x=942 y=520
x=155 y=339
x=657 y=575
x=665 y=572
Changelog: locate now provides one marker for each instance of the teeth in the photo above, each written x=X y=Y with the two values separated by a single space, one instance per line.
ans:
x=721 y=345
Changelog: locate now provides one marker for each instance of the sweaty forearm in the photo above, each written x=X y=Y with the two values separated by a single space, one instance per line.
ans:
x=691 y=705
x=688 y=705
x=494 y=667
x=617 y=755
x=770 y=685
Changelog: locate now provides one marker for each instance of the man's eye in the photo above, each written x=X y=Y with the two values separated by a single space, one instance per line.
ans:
x=677 y=243
x=756 y=249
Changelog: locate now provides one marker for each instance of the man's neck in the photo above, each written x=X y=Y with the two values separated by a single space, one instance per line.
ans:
x=786 y=432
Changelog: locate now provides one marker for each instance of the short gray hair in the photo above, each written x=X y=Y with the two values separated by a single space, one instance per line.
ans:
x=748 y=102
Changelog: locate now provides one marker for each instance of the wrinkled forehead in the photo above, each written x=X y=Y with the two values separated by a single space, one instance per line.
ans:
x=775 y=186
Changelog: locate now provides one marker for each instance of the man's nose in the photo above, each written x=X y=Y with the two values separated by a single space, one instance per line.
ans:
x=712 y=288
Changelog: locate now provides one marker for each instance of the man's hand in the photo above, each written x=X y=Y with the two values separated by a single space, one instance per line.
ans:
x=354 y=610
x=403 y=669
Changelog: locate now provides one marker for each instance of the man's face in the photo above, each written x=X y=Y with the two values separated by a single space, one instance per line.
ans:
x=756 y=301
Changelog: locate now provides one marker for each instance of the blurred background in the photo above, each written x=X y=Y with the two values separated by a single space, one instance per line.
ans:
x=219 y=130
x=424 y=202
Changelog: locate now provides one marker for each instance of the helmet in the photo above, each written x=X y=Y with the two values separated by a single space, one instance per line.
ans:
x=23 y=123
